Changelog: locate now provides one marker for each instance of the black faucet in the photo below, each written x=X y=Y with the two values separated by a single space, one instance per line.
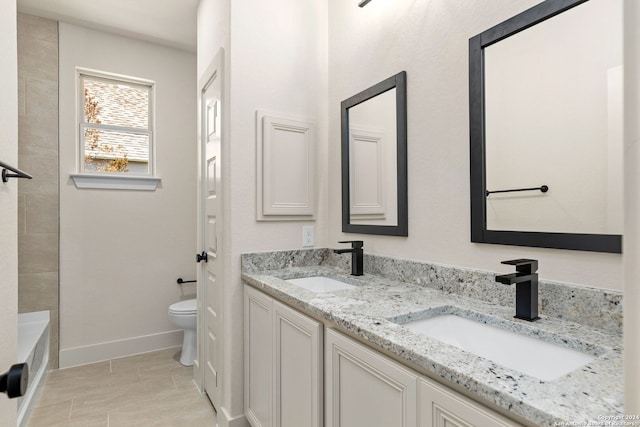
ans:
x=526 y=281
x=357 y=255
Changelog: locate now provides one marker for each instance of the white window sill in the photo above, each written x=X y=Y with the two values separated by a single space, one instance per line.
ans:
x=115 y=182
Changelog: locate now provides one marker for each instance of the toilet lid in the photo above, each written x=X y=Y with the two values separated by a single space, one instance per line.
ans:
x=184 y=307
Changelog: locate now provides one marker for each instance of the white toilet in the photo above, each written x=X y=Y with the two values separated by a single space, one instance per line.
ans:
x=183 y=314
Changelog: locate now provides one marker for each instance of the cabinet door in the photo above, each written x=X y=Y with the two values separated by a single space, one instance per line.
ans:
x=442 y=407
x=298 y=369
x=366 y=389
x=258 y=359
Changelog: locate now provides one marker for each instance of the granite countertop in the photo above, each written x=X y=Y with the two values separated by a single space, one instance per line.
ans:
x=371 y=311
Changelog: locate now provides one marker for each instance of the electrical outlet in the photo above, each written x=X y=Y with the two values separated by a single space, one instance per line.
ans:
x=307 y=236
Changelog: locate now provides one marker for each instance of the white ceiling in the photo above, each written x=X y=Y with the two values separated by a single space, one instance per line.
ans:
x=167 y=22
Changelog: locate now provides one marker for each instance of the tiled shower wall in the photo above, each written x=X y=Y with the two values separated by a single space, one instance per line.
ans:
x=38 y=155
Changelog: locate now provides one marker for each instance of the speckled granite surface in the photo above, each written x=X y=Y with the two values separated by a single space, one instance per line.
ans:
x=400 y=292
x=597 y=308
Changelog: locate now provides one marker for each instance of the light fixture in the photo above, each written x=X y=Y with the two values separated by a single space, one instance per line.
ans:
x=363 y=3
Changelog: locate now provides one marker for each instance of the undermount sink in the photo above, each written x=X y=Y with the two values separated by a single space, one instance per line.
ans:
x=531 y=356
x=320 y=284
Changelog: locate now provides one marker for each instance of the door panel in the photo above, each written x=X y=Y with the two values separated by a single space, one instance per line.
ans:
x=211 y=231
x=258 y=381
x=212 y=240
x=8 y=202
x=365 y=389
x=298 y=368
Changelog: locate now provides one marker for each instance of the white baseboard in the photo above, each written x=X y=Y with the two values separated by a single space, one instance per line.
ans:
x=226 y=420
x=114 y=349
x=197 y=375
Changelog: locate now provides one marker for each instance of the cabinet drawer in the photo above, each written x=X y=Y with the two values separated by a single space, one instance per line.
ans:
x=442 y=407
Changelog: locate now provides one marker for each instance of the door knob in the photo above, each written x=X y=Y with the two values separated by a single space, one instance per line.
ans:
x=14 y=382
x=202 y=257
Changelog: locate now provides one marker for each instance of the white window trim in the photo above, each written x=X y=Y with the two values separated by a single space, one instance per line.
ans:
x=113 y=180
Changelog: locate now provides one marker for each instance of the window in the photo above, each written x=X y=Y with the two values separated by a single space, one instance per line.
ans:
x=115 y=124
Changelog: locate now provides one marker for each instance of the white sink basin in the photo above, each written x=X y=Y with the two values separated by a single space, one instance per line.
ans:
x=522 y=353
x=319 y=284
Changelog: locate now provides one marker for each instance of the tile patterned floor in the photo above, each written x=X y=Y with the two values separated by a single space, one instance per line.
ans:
x=151 y=389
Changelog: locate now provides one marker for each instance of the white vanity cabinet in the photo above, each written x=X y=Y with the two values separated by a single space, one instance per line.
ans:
x=364 y=388
x=283 y=364
x=367 y=389
x=284 y=374
x=439 y=406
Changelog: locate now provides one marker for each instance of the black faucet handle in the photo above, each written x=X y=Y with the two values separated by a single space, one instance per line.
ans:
x=356 y=244
x=523 y=265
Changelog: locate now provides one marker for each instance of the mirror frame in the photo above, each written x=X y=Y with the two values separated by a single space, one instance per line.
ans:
x=611 y=243
x=399 y=82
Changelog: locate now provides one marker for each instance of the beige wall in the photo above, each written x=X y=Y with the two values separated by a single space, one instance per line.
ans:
x=121 y=251
x=267 y=69
x=429 y=39
x=8 y=202
x=38 y=152
x=632 y=208
x=275 y=60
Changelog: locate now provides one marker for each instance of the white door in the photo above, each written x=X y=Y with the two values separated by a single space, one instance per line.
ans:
x=210 y=229
x=8 y=202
